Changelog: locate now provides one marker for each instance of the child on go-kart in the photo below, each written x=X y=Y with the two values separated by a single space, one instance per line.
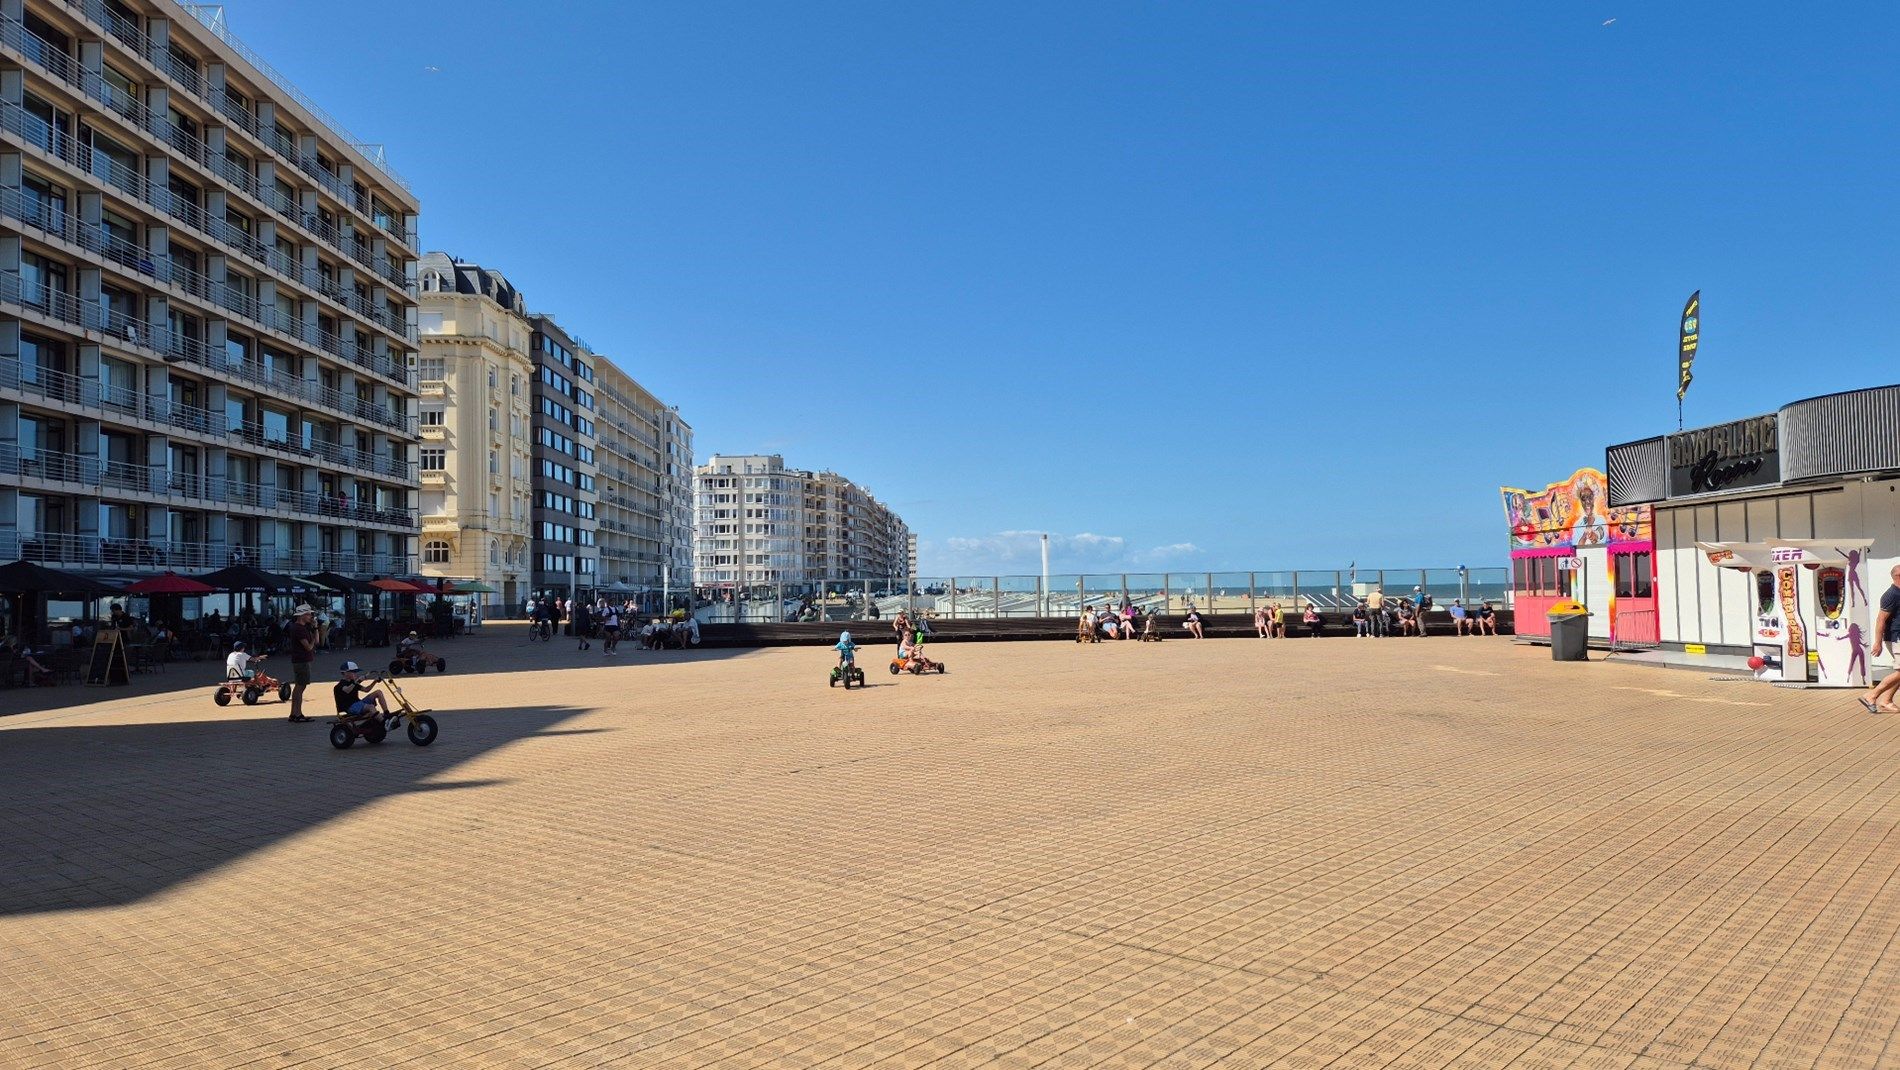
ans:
x=410 y=650
x=355 y=697
x=910 y=657
x=847 y=651
x=237 y=664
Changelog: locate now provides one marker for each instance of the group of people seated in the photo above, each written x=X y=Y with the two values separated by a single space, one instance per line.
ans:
x=1128 y=622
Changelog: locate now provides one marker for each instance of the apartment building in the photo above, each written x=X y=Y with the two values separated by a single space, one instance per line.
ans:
x=677 y=466
x=564 y=549
x=758 y=522
x=644 y=458
x=207 y=306
x=476 y=384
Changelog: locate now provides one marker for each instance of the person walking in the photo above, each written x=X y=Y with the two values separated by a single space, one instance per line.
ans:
x=303 y=651
x=1879 y=697
x=582 y=622
x=610 y=631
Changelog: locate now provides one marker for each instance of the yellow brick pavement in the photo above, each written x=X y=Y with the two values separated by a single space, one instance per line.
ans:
x=1298 y=854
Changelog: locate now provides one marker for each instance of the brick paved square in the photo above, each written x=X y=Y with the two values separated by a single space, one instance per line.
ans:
x=1233 y=853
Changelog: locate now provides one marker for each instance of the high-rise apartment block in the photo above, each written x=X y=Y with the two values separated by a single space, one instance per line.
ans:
x=565 y=473
x=644 y=459
x=759 y=522
x=476 y=383
x=207 y=306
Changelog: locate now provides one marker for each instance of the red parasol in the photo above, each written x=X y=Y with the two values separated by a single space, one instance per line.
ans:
x=398 y=587
x=170 y=583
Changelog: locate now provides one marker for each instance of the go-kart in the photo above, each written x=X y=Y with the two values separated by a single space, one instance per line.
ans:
x=374 y=727
x=851 y=675
x=249 y=691
x=416 y=662
x=916 y=665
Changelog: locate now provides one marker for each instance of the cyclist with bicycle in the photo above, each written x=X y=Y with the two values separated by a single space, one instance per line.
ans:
x=543 y=626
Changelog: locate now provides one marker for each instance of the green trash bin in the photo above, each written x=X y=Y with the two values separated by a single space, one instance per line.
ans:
x=1569 y=631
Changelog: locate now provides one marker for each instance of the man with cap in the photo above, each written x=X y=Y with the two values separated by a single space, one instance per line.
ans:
x=303 y=651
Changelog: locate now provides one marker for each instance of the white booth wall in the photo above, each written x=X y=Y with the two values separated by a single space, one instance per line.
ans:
x=1700 y=603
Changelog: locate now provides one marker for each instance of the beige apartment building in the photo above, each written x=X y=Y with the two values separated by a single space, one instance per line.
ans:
x=642 y=448
x=476 y=381
x=758 y=522
x=207 y=306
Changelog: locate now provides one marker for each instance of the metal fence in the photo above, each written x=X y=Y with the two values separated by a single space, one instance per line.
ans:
x=986 y=597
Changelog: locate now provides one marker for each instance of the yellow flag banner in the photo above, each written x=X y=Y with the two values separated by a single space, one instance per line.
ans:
x=1686 y=343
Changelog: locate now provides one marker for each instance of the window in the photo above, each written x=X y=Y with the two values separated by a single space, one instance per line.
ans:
x=494 y=419
x=493 y=376
x=429 y=323
x=432 y=368
x=1634 y=576
x=435 y=552
x=494 y=552
x=494 y=463
x=434 y=460
x=432 y=416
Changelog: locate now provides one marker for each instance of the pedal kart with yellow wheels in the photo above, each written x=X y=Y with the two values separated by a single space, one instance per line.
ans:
x=375 y=726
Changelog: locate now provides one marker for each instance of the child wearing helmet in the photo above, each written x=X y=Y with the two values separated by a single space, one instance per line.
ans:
x=847 y=650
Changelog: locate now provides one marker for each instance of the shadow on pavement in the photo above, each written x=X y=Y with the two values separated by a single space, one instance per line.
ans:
x=499 y=649
x=105 y=816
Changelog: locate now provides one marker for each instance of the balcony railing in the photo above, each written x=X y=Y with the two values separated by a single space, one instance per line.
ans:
x=73 y=390
x=30 y=128
x=57 y=548
x=109 y=475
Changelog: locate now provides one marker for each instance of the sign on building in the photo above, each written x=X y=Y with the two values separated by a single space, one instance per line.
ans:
x=1731 y=456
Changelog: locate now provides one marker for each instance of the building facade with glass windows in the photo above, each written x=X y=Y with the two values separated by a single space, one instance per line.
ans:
x=757 y=522
x=476 y=383
x=207 y=306
x=564 y=473
x=645 y=460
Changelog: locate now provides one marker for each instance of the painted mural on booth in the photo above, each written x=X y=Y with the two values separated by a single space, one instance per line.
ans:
x=1571 y=515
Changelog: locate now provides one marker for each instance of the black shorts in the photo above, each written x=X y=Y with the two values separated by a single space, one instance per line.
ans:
x=300 y=672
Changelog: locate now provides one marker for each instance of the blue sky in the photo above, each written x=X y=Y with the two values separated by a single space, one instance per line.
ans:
x=1193 y=286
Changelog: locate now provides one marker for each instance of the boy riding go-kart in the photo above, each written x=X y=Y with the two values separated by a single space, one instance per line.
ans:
x=369 y=706
x=245 y=683
x=410 y=657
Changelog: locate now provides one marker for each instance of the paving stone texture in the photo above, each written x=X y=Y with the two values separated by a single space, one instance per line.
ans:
x=1232 y=853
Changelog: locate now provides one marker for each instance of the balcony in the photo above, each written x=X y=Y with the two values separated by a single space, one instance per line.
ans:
x=435 y=477
x=35 y=132
x=94 y=551
x=444 y=525
x=433 y=388
x=434 y=433
x=127 y=331
x=105 y=476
